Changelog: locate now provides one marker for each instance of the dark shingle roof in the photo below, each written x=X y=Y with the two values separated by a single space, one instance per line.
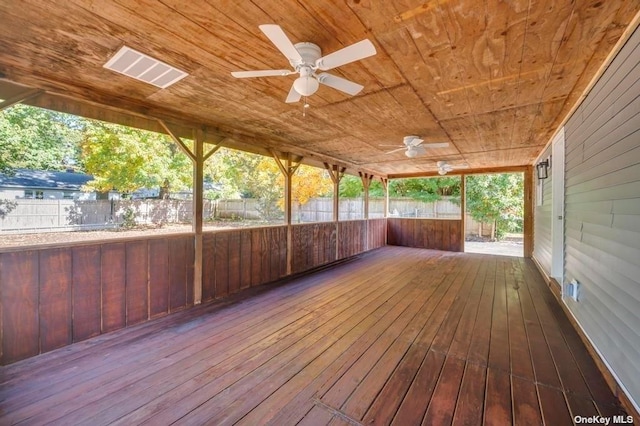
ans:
x=23 y=178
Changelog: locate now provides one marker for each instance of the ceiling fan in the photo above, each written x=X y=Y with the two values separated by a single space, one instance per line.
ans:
x=414 y=147
x=306 y=58
x=444 y=167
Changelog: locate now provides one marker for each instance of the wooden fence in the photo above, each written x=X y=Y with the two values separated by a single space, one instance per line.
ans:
x=437 y=234
x=53 y=296
x=88 y=214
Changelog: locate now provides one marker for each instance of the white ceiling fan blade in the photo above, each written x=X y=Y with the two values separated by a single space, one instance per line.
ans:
x=419 y=149
x=281 y=41
x=415 y=142
x=396 y=150
x=340 y=83
x=436 y=145
x=261 y=73
x=293 y=96
x=355 y=52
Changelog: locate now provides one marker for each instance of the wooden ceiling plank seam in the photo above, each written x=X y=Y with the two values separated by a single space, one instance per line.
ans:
x=449 y=138
x=549 y=73
x=520 y=62
x=572 y=103
x=439 y=13
x=575 y=87
x=187 y=32
x=189 y=41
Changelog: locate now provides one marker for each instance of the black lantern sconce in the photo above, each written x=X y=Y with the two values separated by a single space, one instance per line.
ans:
x=543 y=169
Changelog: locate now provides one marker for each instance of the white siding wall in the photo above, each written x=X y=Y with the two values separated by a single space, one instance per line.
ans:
x=602 y=210
x=542 y=222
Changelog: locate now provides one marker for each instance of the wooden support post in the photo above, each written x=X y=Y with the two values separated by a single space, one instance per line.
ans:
x=288 y=169
x=463 y=212
x=385 y=185
x=198 y=205
x=336 y=173
x=366 y=183
x=528 y=212
x=198 y=157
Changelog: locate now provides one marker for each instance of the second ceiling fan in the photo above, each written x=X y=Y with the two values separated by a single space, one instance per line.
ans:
x=413 y=146
x=306 y=59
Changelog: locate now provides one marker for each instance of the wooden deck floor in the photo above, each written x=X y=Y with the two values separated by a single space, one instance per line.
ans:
x=402 y=336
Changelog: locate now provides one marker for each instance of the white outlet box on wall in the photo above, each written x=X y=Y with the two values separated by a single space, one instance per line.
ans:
x=572 y=289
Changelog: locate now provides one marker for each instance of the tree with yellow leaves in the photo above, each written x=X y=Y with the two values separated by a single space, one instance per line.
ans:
x=257 y=176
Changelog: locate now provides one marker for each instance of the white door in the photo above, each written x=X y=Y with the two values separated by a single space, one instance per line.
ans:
x=557 y=207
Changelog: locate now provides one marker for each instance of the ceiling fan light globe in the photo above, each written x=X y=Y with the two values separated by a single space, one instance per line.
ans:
x=306 y=86
x=411 y=153
x=442 y=172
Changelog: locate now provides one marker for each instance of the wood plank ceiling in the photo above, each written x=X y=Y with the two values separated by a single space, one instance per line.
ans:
x=495 y=78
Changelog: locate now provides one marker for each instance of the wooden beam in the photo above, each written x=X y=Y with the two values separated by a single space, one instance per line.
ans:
x=484 y=170
x=211 y=152
x=178 y=141
x=133 y=116
x=25 y=96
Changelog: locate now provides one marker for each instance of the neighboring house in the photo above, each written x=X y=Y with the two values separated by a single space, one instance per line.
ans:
x=44 y=184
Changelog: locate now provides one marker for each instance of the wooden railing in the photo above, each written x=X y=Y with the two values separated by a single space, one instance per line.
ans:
x=57 y=295
x=437 y=234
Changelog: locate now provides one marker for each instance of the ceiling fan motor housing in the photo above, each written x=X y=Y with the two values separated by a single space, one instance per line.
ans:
x=310 y=54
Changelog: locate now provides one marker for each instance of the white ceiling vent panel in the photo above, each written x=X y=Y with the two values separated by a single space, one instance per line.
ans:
x=144 y=68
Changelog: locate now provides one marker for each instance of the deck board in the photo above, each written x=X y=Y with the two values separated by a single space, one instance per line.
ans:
x=397 y=336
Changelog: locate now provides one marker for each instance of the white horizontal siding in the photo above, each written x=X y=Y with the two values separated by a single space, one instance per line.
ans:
x=542 y=222
x=602 y=214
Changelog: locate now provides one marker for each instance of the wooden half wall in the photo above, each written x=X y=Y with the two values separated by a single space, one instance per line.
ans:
x=54 y=296
x=57 y=295
x=437 y=234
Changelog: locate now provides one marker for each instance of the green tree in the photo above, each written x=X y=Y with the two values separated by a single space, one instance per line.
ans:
x=351 y=187
x=497 y=198
x=425 y=189
x=247 y=175
x=127 y=159
x=39 y=139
